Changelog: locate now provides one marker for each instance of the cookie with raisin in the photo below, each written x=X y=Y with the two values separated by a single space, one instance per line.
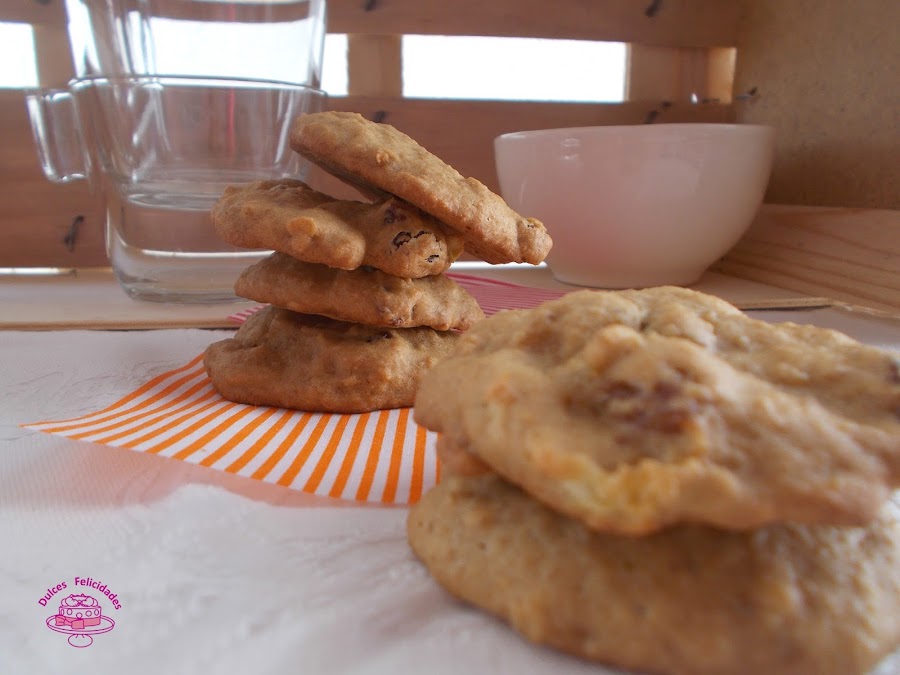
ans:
x=379 y=160
x=363 y=295
x=289 y=216
x=636 y=410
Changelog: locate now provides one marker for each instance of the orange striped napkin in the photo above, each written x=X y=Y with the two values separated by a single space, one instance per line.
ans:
x=383 y=456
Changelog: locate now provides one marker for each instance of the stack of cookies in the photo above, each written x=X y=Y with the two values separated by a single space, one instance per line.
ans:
x=359 y=305
x=653 y=480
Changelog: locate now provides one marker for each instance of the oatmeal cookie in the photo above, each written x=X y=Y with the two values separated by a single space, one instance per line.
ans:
x=635 y=410
x=290 y=217
x=380 y=160
x=281 y=358
x=784 y=600
x=457 y=460
x=365 y=295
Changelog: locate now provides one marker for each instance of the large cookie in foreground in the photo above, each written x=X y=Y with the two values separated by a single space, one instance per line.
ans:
x=784 y=600
x=378 y=159
x=366 y=295
x=281 y=358
x=634 y=410
x=290 y=217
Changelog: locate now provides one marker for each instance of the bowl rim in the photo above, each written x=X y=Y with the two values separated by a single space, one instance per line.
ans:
x=713 y=127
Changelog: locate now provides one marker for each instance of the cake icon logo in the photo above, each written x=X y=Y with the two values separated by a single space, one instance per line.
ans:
x=81 y=617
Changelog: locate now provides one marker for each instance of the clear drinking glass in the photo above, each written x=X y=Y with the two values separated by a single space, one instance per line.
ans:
x=162 y=149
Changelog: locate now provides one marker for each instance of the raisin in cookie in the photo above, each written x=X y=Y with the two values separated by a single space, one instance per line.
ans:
x=784 y=600
x=281 y=358
x=365 y=295
x=634 y=410
x=378 y=159
x=290 y=217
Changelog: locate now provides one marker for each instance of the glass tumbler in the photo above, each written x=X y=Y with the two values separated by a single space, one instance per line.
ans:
x=161 y=149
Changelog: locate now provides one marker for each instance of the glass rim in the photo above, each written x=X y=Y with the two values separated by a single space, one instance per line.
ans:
x=197 y=80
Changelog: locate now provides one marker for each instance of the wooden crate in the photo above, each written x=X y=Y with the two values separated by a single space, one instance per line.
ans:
x=671 y=60
x=684 y=57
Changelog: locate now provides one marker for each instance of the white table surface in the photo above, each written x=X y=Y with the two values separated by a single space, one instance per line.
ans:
x=217 y=574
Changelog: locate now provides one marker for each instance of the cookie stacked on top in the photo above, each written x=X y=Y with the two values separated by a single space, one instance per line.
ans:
x=653 y=480
x=360 y=307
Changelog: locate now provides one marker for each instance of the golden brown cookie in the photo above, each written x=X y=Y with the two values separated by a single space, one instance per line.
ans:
x=634 y=410
x=457 y=460
x=378 y=159
x=281 y=358
x=365 y=295
x=785 y=600
x=291 y=217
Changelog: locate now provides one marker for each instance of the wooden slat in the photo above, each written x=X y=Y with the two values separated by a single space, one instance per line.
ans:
x=37 y=238
x=665 y=74
x=36 y=214
x=374 y=65
x=847 y=254
x=50 y=13
x=720 y=67
x=53 y=55
x=678 y=74
x=677 y=23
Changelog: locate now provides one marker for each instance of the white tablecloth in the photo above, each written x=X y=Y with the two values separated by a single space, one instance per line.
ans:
x=215 y=574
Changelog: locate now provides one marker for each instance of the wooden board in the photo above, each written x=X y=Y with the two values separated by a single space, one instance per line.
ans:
x=36 y=215
x=92 y=299
x=52 y=55
x=374 y=65
x=847 y=254
x=676 y=23
x=679 y=73
x=672 y=23
x=46 y=12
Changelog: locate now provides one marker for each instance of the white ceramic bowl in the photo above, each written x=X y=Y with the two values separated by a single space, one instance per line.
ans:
x=637 y=206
